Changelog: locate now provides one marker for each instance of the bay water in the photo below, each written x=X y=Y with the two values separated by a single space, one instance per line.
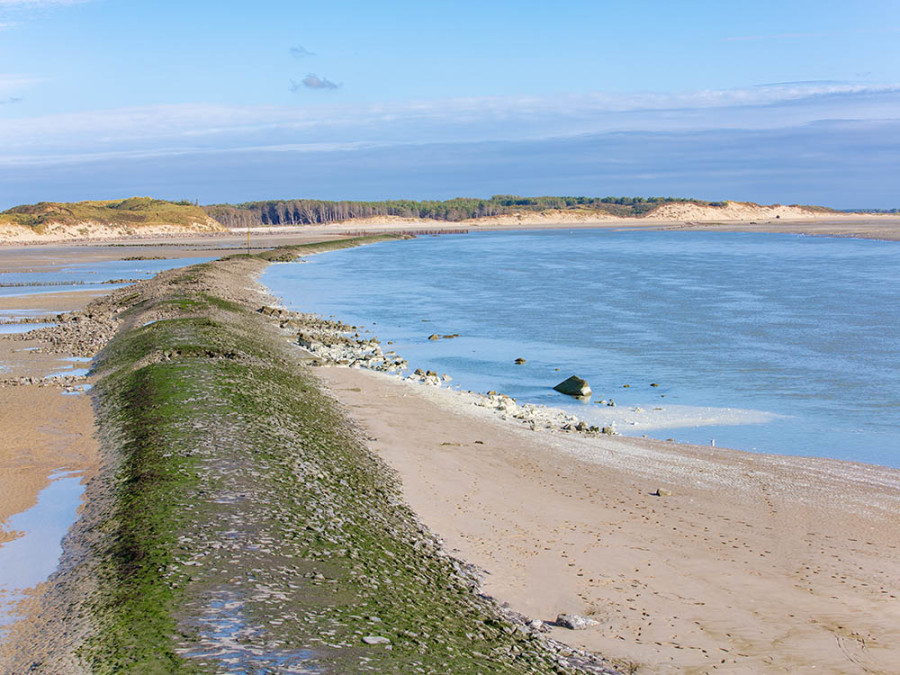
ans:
x=764 y=342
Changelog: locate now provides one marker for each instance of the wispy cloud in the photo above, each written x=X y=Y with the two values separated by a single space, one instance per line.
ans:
x=301 y=52
x=178 y=129
x=313 y=81
x=11 y=99
x=847 y=164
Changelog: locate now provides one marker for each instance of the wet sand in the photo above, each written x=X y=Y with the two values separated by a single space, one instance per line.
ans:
x=753 y=563
x=858 y=226
x=770 y=564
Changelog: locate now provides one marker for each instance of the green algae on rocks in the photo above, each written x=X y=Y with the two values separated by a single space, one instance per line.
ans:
x=242 y=524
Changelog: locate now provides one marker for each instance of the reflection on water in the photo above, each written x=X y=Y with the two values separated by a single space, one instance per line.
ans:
x=229 y=641
x=34 y=555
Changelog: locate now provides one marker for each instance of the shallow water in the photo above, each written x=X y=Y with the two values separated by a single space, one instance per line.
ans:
x=93 y=276
x=30 y=559
x=804 y=329
x=18 y=328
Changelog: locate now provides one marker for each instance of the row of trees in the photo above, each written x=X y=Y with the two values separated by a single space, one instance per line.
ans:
x=319 y=212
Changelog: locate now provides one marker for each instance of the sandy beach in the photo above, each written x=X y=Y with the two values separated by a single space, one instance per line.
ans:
x=740 y=563
x=747 y=563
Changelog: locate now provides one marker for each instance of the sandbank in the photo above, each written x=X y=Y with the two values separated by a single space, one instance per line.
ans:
x=857 y=226
x=747 y=563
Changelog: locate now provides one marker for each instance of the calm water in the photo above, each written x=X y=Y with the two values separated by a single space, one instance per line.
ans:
x=800 y=335
x=93 y=276
x=33 y=556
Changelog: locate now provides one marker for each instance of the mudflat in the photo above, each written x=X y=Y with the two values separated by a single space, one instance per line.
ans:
x=740 y=562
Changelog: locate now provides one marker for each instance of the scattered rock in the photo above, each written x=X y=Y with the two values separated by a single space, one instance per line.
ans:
x=661 y=493
x=376 y=640
x=574 y=622
x=574 y=386
x=654 y=384
x=520 y=361
x=434 y=336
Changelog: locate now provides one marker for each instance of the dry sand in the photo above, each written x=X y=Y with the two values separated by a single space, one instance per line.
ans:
x=754 y=563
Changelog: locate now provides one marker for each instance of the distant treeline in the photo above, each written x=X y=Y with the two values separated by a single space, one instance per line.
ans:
x=318 y=212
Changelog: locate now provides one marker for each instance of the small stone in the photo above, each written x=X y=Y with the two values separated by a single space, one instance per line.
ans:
x=574 y=622
x=520 y=361
x=434 y=336
x=376 y=640
x=661 y=493
x=654 y=384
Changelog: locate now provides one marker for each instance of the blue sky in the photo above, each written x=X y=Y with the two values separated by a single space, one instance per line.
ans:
x=791 y=101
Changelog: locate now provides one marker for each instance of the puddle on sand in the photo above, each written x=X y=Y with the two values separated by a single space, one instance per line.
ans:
x=78 y=389
x=63 y=372
x=19 y=314
x=31 y=558
x=228 y=642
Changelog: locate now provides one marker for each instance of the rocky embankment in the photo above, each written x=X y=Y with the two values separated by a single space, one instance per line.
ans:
x=240 y=524
x=334 y=343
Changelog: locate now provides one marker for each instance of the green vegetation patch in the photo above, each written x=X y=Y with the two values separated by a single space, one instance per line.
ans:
x=250 y=525
x=316 y=211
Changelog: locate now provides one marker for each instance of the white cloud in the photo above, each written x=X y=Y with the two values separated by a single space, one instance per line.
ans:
x=189 y=128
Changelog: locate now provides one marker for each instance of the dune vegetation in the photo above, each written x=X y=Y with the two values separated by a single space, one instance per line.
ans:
x=135 y=212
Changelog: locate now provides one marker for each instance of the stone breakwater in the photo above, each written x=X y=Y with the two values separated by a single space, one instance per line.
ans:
x=68 y=383
x=334 y=343
x=79 y=333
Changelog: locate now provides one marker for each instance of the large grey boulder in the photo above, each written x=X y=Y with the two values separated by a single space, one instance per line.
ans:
x=574 y=386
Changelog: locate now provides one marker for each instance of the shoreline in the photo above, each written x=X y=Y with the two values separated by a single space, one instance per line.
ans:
x=771 y=563
x=782 y=506
x=564 y=523
x=882 y=227
x=879 y=228
x=227 y=476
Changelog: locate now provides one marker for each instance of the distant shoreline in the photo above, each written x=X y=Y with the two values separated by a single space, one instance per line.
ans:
x=726 y=217
x=882 y=228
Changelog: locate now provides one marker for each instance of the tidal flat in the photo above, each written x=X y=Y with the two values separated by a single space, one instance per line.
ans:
x=238 y=522
x=252 y=511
